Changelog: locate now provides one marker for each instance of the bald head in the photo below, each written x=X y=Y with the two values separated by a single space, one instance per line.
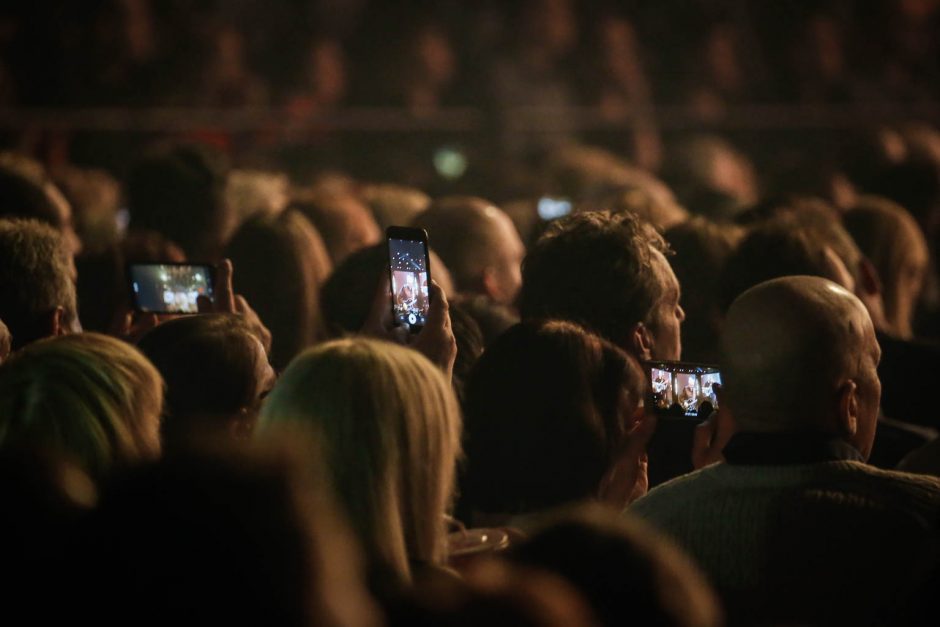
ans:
x=791 y=348
x=479 y=244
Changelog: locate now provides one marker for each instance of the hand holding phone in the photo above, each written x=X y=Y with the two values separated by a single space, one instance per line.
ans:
x=435 y=340
x=409 y=269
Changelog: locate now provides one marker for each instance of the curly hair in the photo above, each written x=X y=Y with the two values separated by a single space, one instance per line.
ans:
x=594 y=268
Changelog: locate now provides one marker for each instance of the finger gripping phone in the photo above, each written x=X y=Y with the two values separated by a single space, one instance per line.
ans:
x=167 y=287
x=683 y=390
x=409 y=268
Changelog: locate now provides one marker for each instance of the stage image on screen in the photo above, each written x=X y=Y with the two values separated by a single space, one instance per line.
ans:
x=409 y=281
x=170 y=289
x=662 y=388
x=685 y=393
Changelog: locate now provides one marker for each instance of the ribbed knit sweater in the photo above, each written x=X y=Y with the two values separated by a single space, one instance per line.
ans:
x=801 y=541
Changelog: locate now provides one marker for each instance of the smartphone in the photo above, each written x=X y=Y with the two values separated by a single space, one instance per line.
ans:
x=410 y=274
x=167 y=287
x=553 y=208
x=683 y=390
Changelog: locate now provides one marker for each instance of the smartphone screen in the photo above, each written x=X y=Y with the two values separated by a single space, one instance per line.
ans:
x=169 y=287
x=409 y=270
x=681 y=389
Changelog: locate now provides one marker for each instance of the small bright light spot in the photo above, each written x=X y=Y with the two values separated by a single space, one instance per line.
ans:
x=450 y=163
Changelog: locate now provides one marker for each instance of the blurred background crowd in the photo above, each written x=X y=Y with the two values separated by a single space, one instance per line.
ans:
x=603 y=184
x=300 y=85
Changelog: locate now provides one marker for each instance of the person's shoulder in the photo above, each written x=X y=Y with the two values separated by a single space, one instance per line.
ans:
x=899 y=477
x=676 y=490
x=920 y=491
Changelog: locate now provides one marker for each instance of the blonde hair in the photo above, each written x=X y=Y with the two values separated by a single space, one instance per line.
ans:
x=93 y=397
x=891 y=239
x=389 y=427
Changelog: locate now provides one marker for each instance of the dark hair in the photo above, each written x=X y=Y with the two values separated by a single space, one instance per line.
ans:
x=775 y=249
x=226 y=535
x=280 y=263
x=177 y=190
x=470 y=344
x=22 y=197
x=346 y=297
x=594 y=268
x=701 y=248
x=625 y=569
x=545 y=416
x=209 y=365
x=463 y=235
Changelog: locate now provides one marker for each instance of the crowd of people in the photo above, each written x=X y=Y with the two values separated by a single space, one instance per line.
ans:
x=290 y=454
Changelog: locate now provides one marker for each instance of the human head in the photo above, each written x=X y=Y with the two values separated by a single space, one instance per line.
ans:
x=895 y=245
x=701 y=250
x=179 y=191
x=548 y=406
x=628 y=572
x=281 y=263
x=216 y=373
x=774 y=249
x=95 y=199
x=394 y=204
x=37 y=296
x=389 y=430
x=256 y=527
x=90 y=397
x=609 y=273
x=343 y=220
x=479 y=244
x=349 y=292
x=27 y=192
x=799 y=353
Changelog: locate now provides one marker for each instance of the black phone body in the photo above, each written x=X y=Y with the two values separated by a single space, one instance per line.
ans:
x=409 y=268
x=169 y=287
x=683 y=390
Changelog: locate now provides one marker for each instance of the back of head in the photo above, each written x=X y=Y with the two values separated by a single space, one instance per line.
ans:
x=787 y=345
x=213 y=366
x=701 y=250
x=777 y=248
x=651 y=200
x=548 y=406
x=891 y=239
x=89 y=397
x=495 y=593
x=627 y=572
x=34 y=281
x=394 y=204
x=596 y=269
x=178 y=191
x=390 y=433
x=474 y=238
x=23 y=196
x=258 y=534
x=348 y=293
x=280 y=263
x=343 y=220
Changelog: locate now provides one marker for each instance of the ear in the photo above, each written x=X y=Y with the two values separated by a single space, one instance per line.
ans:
x=848 y=409
x=57 y=322
x=491 y=285
x=641 y=341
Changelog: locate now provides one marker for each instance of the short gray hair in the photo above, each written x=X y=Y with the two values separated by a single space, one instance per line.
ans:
x=34 y=278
